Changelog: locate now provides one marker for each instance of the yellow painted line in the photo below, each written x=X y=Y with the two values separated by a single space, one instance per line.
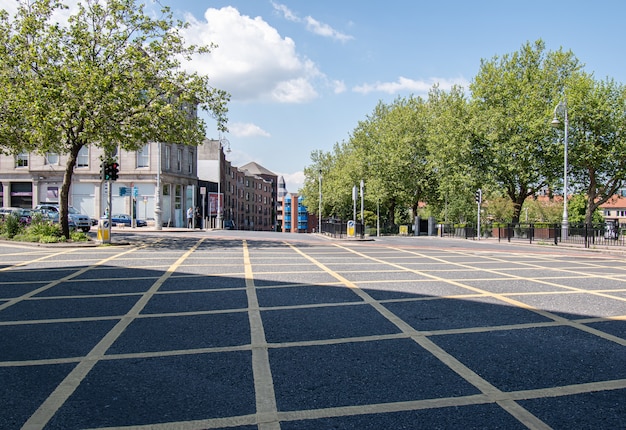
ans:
x=267 y=411
x=73 y=275
x=380 y=408
x=65 y=389
x=492 y=392
x=45 y=257
x=505 y=298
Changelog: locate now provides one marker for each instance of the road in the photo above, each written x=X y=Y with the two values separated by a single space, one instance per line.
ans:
x=228 y=329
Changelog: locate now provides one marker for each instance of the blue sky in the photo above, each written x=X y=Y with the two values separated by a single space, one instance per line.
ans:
x=302 y=74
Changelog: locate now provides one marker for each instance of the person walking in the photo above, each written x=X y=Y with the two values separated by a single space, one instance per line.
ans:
x=190 y=217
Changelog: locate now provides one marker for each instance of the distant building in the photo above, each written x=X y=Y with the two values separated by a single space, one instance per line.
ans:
x=291 y=214
x=615 y=208
x=30 y=178
x=242 y=197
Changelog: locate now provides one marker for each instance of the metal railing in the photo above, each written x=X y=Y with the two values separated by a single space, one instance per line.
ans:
x=587 y=236
x=339 y=229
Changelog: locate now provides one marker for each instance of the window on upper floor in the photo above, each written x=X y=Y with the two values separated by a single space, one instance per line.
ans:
x=52 y=158
x=82 y=160
x=143 y=156
x=190 y=163
x=179 y=160
x=21 y=159
x=168 y=157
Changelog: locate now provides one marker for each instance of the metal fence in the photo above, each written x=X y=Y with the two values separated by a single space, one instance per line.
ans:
x=587 y=236
x=339 y=229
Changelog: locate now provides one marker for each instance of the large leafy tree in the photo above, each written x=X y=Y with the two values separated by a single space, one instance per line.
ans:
x=109 y=77
x=513 y=97
x=597 y=138
x=449 y=139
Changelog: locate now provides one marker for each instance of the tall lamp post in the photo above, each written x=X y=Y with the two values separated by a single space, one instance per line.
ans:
x=319 y=212
x=562 y=109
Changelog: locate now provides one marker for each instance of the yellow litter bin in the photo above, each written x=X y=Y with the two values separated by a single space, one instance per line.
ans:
x=351 y=229
x=103 y=230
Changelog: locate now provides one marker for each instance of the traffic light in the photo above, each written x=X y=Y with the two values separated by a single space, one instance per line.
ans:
x=109 y=171
x=479 y=196
x=114 y=171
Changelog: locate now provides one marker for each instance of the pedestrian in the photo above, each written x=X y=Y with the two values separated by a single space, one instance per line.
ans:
x=190 y=217
x=198 y=217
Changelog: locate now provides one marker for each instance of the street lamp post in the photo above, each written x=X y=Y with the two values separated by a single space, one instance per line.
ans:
x=361 y=186
x=158 y=221
x=562 y=108
x=319 y=212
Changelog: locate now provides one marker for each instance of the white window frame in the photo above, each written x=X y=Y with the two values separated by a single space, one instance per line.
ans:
x=143 y=156
x=52 y=158
x=22 y=160
x=82 y=159
x=168 y=157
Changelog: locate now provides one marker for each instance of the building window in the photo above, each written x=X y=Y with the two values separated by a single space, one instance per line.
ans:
x=168 y=157
x=82 y=160
x=143 y=156
x=21 y=160
x=179 y=160
x=190 y=164
x=52 y=158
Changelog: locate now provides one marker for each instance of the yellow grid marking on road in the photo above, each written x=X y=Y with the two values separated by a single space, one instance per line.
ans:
x=489 y=390
x=71 y=276
x=45 y=257
x=65 y=389
x=511 y=301
x=267 y=413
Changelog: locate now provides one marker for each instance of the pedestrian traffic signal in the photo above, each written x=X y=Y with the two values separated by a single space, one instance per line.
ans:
x=479 y=196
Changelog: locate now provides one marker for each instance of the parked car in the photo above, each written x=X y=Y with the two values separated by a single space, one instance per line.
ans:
x=51 y=211
x=25 y=215
x=229 y=225
x=125 y=219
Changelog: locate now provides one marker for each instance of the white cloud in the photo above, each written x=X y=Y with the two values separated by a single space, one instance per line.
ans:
x=325 y=30
x=240 y=129
x=338 y=87
x=312 y=25
x=406 y=84
x=293 y=181
x=252 y=60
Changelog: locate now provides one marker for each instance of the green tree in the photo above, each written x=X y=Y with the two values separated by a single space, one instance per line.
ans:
x=597 y=138
x=111 y=77
x=449 y=139
x=512 y=98
x=577 y=208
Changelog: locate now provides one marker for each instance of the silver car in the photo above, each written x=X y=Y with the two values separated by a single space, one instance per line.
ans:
x=79 y=220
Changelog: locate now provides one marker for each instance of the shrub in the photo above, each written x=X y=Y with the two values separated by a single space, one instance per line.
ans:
x=44 y=228
x=11 y=226
x=78 y=236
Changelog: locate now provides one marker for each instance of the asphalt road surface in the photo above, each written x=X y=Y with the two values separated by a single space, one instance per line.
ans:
x=199 y=330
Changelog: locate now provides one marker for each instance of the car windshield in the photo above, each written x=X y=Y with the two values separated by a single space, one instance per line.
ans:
x=72 y=210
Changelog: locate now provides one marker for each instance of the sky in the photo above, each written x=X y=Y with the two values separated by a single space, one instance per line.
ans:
x=302 y=74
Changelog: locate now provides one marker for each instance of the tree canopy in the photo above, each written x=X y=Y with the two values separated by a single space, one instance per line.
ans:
x=496 y=137
x=110 y=76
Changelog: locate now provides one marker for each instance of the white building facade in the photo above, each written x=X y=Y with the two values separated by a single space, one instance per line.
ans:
x=29 y=179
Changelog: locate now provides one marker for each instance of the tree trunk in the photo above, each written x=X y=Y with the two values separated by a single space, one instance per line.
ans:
x=392 y=211
x=65 y=190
